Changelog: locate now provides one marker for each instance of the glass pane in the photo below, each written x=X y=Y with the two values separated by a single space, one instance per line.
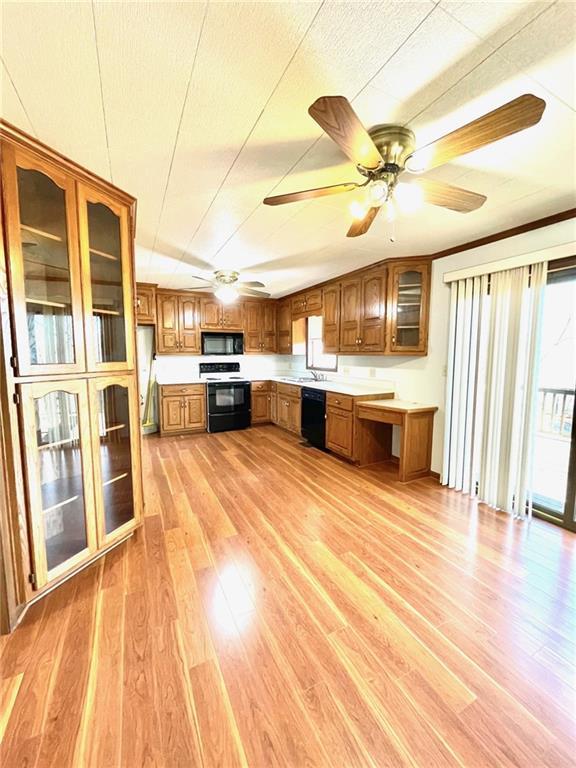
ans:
x=408 y=309
x=115 y=456
x=46 y=269
x=106 y=279
x=61 y=481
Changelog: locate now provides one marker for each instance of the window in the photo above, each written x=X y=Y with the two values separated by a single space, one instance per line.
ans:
x=316 y=359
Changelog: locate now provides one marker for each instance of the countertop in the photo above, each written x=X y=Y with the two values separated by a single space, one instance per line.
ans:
x=339 y=387
x=400 y=405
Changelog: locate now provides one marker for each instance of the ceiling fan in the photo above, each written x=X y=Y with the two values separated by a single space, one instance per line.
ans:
x=383 y=153
x=226 y=286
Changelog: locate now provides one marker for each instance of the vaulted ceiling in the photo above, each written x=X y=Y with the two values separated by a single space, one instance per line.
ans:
x=200 y=111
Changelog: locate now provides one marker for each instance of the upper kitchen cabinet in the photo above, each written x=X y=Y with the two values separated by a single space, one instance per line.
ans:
x=362 y=313
x=309 y=303
x=408 y=308
x=214 y=316
x=44 y=266
x=146 y=303
x=331 y=318
x=107 y=280
x=284 y=327
x=260 y=326
x=177 y=323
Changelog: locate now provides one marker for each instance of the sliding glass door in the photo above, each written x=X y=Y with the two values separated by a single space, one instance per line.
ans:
x=553 y=484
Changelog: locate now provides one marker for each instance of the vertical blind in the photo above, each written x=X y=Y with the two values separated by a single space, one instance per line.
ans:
x=491 y=386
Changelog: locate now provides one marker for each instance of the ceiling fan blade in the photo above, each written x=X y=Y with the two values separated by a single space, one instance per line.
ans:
x=293 y=197
x=251 y=284
x=448 y=196
x=252 y=292
x=510 y=118
x=361 y=227
x=199 y=277
x=334 y=114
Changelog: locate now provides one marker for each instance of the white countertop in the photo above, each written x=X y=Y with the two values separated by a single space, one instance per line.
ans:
x=354 y=389
x=400 y=405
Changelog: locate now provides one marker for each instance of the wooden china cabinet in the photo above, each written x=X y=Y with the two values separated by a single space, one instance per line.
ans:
x=69 y=370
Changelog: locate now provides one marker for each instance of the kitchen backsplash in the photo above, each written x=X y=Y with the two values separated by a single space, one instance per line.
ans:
x=183 y=367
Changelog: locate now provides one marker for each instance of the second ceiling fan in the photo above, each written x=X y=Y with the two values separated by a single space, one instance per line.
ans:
x=384 y=152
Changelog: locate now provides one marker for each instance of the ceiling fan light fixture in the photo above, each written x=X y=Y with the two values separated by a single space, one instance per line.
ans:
x=227 y=294
x=390 y=211
x=358 y=210
x=378 y=193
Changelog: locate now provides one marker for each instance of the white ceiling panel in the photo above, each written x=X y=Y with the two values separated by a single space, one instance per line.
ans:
x=50 y=51
x=200 y=111
x=144 y=84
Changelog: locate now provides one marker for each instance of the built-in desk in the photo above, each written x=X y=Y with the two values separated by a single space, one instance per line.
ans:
x=373 y=434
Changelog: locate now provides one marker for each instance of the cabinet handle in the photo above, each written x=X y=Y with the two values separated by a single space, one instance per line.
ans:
x=337 y=402
x=393 y=339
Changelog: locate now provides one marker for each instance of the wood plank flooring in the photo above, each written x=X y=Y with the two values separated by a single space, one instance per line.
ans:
x=282 y=608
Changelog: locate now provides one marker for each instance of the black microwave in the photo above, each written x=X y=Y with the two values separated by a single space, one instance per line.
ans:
x=222 y=343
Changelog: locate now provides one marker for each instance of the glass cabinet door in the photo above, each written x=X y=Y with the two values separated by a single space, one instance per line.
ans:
x=115 y=435
x=59 y=475
x=44 y=265
x=107 y=281
x=409 y=310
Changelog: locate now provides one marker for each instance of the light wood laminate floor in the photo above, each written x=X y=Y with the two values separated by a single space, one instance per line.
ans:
x=282 y=608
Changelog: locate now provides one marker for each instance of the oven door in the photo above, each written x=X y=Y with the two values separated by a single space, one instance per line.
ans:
x=228 y=397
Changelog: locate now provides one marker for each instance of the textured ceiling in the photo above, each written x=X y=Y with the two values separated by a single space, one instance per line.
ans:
x=200 y=111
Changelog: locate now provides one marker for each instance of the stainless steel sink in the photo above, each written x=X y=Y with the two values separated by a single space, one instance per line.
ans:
x=298 y=379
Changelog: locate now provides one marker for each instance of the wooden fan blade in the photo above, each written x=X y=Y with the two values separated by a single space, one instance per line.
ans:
x=251 y=292
x=251 y=284
x=334 y=114
x=510 y=118
x=293 y=197
x=361 y=227
x=448 y=196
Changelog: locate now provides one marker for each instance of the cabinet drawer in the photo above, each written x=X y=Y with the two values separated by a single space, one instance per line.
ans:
x=289 y=390
x=182 y=389
x=260 y=386
x=340 y=401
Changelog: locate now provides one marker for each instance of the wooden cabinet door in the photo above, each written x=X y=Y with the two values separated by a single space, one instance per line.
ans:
x=260 y=407
x=233 y=316
x=269 y=327
x=43 y=260
x=331 y=318
x=339 y=431
x=373 y=320
x=115 y=426
x=145 y=304
x=283 y=411
x=273 y=407
x=294 y=415
x=350 y=314
x=313 y=301
x=59 y=476
x=107 y=280
x=167 y=325
x=298 y=305
x=210 y=314
x=195 y=412
x=189 y=336
x=409 y=291
x=253 y=322
x=284 y=327
x=172 y=413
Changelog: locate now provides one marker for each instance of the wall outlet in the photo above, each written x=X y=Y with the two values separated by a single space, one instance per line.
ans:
x=371 y=372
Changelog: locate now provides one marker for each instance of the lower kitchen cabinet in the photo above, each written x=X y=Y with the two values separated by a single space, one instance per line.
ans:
x=82 y=465
x=288 y=407
x=261 y=402
x=340 y=431
x=182 y=408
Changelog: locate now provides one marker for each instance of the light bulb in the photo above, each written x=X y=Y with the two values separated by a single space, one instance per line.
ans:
x=358 y=210
x=378 y=192
x=409 y=197
x=226 y=294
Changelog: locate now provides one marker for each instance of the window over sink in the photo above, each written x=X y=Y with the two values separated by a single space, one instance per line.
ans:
x=316 y=358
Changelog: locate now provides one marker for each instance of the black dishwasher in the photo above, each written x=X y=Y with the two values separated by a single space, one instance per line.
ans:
x=313 y=423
